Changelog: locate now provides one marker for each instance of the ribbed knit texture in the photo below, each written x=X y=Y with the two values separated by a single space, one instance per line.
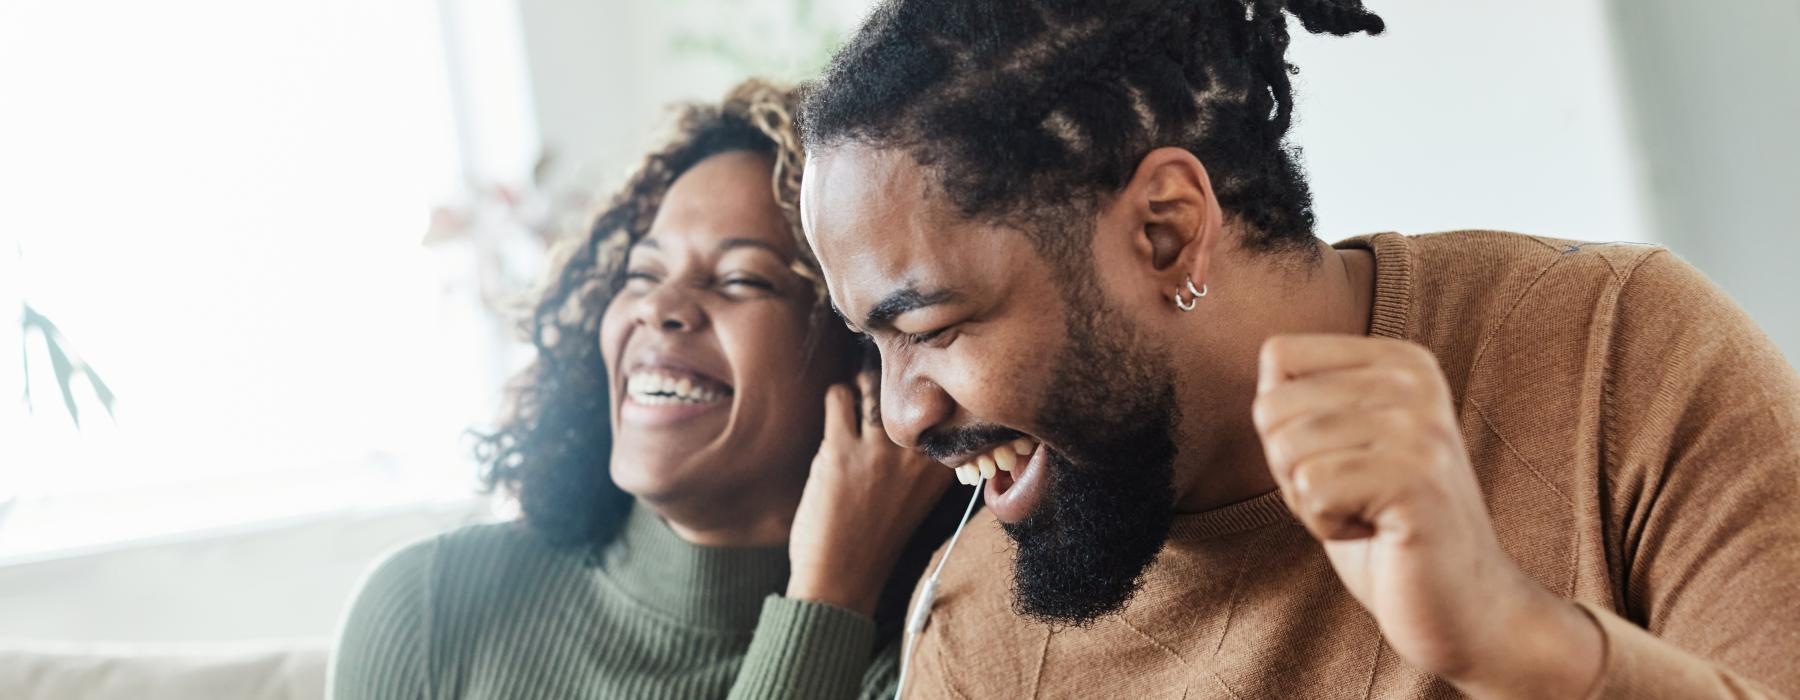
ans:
x=492 y=612
x=801 y=656
x=1637 y=440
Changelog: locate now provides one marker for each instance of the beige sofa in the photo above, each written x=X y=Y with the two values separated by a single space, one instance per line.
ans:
x=246 y=671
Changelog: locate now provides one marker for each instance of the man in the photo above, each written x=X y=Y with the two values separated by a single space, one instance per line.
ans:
x=1232 y=461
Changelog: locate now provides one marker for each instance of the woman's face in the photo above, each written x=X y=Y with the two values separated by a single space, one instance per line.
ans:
x=713 y=396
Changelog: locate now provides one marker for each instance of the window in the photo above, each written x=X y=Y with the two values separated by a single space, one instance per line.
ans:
x=222 y=206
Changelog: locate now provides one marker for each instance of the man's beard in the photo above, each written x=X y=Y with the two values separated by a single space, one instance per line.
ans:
x=1109 y=410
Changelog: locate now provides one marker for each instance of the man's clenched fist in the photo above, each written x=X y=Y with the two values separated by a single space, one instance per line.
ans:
x=1362 y=438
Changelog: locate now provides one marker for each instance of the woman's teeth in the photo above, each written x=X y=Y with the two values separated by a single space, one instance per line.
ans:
x=657 y=389
x=1001 y=459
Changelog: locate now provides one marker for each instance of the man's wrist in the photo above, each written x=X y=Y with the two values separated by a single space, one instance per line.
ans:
x=1547 y=647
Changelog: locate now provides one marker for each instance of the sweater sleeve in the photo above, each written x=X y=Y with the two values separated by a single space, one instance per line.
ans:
x=382 y=647
x=1702 y=447
x=807 y=651
x=882 y=679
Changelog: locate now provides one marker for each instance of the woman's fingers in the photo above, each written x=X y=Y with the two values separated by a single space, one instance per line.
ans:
x=868 y=385
x=840 y=413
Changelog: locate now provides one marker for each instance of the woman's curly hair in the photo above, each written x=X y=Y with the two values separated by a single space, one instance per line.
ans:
x=552 y=447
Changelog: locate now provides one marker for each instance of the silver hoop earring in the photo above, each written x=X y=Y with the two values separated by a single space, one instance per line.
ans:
x=1189 y=304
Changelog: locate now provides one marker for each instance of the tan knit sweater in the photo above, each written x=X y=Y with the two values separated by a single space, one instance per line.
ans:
x=1638 y=442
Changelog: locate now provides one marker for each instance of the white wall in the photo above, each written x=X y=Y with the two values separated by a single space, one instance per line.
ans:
x=1667 y=121
x=604 y=72
x=1471 y=114
x=1716 y=91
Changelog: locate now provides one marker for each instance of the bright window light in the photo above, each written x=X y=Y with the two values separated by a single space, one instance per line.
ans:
x=221 y=205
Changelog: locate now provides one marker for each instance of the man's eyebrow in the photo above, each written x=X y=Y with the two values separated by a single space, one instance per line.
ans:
x=901 y=301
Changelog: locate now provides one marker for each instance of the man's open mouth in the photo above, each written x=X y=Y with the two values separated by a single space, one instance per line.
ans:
x=999 y=458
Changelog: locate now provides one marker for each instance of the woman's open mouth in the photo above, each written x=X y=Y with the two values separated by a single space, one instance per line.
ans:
x=660 y=396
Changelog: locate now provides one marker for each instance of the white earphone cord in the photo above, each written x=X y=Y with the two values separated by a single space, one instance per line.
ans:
x=915 y=622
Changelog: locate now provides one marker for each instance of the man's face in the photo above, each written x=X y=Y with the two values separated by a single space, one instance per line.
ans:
x=988 y=347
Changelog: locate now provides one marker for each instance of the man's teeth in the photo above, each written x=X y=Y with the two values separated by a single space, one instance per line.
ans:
x=1005 y=459
x=653 y=388
x=1001 y=459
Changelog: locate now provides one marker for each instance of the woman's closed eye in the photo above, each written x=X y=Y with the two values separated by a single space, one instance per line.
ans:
x=728 y=281
x=745 y=282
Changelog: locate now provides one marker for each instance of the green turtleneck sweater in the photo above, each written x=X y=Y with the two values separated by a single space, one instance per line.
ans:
x=490 y=611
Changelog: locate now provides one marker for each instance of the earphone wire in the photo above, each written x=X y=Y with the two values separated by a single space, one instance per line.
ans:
x=954 y=536
x=915 y=622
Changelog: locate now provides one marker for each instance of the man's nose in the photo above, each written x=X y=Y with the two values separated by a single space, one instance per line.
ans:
x=911 y=403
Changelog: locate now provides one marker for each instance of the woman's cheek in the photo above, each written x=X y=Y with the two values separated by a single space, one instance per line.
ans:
x=766 y=345
x=613 y=324
x=777 y=328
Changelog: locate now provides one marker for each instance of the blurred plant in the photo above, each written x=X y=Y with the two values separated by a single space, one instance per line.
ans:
x=509 y=228
x=65 y=363
x=797 y=50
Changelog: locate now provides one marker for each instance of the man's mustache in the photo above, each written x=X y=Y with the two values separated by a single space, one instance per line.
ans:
x=947 y=443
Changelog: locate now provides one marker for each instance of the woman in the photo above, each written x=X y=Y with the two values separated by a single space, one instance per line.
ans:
x=690 y=386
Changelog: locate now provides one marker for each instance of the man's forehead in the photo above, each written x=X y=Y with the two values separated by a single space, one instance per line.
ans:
x=874 y=225
x=891 y=255
x=848 y=186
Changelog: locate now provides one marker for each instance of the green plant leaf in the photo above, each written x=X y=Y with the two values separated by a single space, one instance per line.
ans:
x=25 y=358
x=59 y=362
x=64 y=362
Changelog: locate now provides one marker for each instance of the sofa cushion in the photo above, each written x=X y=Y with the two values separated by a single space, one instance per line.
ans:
x=250 y=670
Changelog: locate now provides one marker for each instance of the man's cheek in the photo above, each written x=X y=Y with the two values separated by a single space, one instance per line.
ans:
x=1004 y=394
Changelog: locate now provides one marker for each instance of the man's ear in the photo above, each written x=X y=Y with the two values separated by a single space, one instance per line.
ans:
x=1175 y=219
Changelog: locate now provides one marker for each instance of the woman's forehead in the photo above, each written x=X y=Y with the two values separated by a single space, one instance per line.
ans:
x=725 y=202
x=687 y=244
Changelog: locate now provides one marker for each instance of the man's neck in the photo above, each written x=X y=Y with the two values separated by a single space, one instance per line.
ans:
x=1221 y=459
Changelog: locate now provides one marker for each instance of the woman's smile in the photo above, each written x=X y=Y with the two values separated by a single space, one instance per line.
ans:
x=661 y=396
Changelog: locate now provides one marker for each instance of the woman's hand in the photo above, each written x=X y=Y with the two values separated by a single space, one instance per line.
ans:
x=864 y=498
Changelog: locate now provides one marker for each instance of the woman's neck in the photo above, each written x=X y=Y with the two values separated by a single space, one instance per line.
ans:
x=714 y=587
x=744 y=521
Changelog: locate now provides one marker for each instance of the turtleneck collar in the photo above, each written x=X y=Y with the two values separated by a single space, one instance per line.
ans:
x=718 y=587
